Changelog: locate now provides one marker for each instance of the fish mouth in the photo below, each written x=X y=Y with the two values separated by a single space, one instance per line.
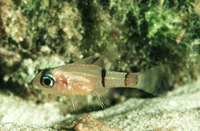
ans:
x=36 y=80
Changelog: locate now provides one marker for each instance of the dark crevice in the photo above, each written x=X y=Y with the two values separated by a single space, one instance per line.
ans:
x=89 y=21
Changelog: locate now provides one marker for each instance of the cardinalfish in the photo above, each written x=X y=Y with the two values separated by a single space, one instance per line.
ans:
x=81 y=78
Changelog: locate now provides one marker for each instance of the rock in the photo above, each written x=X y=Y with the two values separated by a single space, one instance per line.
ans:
x=179 y=110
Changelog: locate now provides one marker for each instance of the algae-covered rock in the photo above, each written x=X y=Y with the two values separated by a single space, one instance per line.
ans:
x=142 y=34
x=36 y=35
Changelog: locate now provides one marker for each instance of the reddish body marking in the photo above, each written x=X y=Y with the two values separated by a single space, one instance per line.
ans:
x=61 y=80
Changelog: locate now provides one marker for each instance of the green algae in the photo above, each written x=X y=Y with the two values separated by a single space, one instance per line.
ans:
x=36 y=34
x=141 y=33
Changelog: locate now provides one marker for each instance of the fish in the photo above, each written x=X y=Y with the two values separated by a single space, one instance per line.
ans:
x=87 y=78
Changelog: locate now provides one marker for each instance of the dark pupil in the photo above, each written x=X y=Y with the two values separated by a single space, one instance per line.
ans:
x=47 y=82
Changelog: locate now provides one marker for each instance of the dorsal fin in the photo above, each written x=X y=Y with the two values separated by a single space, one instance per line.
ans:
x=87 y=60
x=103 y=62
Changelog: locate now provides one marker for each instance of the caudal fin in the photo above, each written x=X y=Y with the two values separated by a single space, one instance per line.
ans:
x=154 y=81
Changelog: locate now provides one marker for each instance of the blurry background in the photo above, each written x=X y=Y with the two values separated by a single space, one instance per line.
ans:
x=142 y=34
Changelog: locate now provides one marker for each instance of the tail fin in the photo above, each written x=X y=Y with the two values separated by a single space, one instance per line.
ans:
x=154 y=81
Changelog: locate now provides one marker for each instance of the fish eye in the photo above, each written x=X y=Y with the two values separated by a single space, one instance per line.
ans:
x=47 y=81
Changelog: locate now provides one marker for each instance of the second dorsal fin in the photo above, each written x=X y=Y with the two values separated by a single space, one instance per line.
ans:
x=103 y=62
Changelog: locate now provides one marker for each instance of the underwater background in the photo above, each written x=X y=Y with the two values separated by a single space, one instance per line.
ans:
x=139 y=34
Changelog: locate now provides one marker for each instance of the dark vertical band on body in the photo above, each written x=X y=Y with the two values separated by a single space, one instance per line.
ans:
x=125 y=79
x=103 y=75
